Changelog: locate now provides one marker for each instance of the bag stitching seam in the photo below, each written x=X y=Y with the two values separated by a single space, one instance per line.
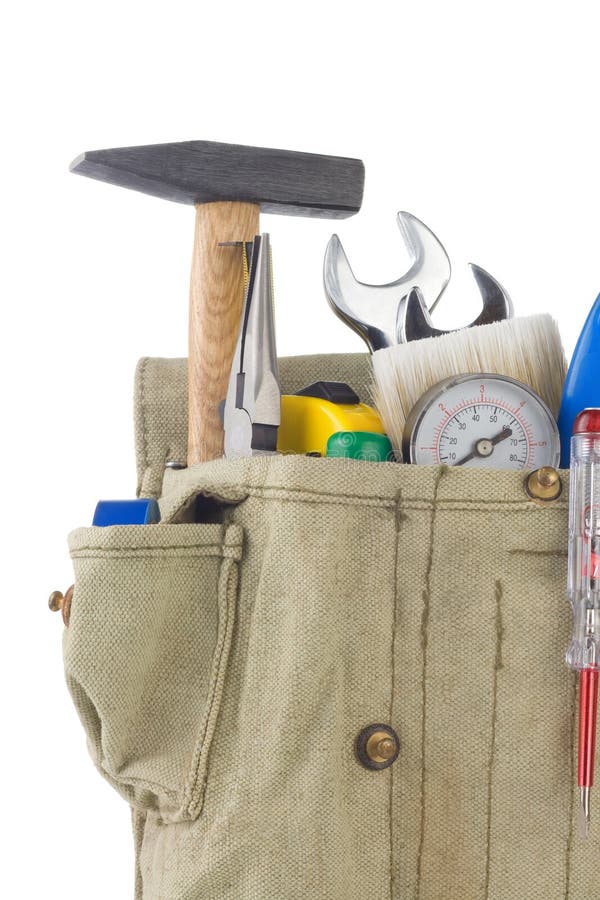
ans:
x=148 y=550
x=424 y=641
x=196 y=788
x=398 y=520
x=143 y=408
x=306 y=496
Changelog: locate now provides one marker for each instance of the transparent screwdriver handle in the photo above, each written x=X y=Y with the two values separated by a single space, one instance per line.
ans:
x=584 y=542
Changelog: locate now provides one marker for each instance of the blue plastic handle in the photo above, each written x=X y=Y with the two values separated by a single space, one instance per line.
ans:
x=126 y=512
x=582 y=385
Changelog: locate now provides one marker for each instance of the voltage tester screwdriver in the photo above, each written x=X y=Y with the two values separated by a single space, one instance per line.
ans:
x=584 y=590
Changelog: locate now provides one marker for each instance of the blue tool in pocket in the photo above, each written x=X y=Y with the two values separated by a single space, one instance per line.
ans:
x=582 y=385
x=142 y=511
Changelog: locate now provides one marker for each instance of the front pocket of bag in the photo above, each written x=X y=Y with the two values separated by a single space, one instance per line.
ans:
x=146 y=654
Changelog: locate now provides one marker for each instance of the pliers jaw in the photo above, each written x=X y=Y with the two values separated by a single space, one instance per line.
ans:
x=253 y=404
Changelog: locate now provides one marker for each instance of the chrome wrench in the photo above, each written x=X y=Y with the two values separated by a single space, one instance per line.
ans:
x=389 y=314
x=374 y=310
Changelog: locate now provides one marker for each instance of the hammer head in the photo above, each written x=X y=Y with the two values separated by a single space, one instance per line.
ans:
x=279 y=181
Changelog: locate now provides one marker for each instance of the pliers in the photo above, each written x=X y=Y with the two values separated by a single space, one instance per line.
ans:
x=253 y=405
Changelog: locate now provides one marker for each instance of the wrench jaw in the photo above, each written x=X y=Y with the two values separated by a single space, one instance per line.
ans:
x=431 y=269
x=416 y=324
x=497 y=304
x=342 y=290
x=373 y=311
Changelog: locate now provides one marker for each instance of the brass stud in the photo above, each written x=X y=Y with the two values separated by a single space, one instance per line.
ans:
x=377 y=746
x=59 y=601
x=380 y=747
x=544 y=485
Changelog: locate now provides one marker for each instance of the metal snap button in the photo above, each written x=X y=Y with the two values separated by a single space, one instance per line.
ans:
x=544 y=485
x=377 y=746
x=59 y=601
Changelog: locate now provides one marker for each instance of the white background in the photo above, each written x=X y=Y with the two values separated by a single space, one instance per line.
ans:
x=480 y=118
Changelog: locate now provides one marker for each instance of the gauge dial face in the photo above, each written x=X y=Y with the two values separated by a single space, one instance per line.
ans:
x=481 y=421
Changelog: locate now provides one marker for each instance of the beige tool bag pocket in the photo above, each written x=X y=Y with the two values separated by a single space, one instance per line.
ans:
x=146 y=654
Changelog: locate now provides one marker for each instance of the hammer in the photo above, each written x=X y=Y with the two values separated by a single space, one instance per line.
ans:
x=229 y=184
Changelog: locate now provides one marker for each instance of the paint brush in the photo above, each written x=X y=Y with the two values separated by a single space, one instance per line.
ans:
x=528 y=349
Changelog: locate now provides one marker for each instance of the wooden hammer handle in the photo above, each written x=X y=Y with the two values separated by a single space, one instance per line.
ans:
x=216 y=301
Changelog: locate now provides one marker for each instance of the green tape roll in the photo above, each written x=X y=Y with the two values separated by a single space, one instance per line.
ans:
x=364 y=445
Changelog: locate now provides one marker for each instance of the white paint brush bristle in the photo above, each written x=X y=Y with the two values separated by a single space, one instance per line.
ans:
x=528 y=349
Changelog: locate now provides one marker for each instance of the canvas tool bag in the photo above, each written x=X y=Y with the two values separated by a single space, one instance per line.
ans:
x=225 y=662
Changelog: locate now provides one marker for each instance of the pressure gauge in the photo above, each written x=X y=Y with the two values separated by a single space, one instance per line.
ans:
x=481 y=421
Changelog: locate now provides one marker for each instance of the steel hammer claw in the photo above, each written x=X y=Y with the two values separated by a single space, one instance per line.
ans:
x=376 y=311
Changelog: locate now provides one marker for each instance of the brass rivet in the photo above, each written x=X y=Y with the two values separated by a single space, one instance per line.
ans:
x=380 y=747
x=55 y=601
x=59 y=601
x=544 y=485
x=377 y=746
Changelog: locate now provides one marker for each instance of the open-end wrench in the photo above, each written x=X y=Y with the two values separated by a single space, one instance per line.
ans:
x=390 y=314
x=415 y=322
x=375 y=310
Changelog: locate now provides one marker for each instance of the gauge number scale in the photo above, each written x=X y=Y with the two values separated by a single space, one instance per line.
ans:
x=481 y=421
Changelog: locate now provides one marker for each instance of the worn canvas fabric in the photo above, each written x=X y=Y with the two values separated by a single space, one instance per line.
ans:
x=224 y=662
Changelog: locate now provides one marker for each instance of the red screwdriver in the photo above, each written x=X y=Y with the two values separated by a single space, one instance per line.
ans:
x=584 y=590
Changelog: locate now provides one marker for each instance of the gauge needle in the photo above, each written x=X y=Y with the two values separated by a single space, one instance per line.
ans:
x=485 y=446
